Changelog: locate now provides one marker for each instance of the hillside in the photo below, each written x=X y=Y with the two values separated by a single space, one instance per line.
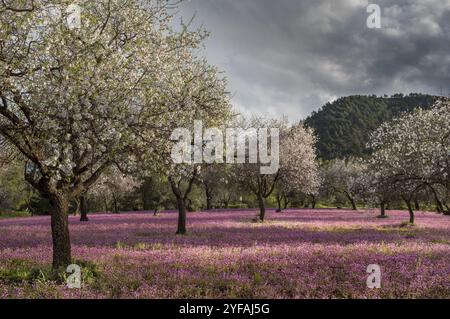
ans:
x=343 y=127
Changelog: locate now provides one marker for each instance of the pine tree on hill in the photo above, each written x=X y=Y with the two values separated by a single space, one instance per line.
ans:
x=344 y=126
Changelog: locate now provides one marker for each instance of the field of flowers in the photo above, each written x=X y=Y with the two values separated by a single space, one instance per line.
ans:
x=295 y=254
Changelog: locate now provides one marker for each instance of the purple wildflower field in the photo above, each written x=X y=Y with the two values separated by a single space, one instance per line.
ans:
x=295 y=254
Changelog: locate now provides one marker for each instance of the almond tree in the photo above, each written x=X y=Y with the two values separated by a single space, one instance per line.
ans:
x=76 y=97
x=247 y=167
x=412 y=152
x=211 y=178
x=227 y=189
x=218 y=182
x=182 y=179
x=298 y=166
x=299 y=172
x=340 y=176
x=441 y=196
x=183 y=168
x=113 y=186
x=371 y=187
x=204 y=99
x=154 y=191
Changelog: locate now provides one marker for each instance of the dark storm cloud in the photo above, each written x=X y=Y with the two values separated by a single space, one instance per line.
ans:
x=290 y=56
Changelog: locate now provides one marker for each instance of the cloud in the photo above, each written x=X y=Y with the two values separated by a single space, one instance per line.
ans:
x=289 y=57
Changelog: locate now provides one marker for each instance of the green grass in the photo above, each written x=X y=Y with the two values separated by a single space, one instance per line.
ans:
x=20 y=214
x=334 y=206
x=21 y=271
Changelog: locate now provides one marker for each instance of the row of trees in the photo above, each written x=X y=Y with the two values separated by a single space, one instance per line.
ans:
x=89 y=108
x=371 y=181
x=297 y=171
x=409 y=161
x=76 y=101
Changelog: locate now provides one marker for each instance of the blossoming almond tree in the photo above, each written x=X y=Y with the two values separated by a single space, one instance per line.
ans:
x=202 y=97
x=182 y=178
x=113 y=185
x=340 y=177
x=183 y=175
x=212 y=177
x=371 y=187
x=298 y=166
x=299 y=172
x=412 y=152
x=75 y=97
x=216 y=180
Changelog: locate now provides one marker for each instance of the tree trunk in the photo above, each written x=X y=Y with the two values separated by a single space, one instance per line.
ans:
x=83 y=209
x=105 y=203
x=181 y=230
x=145 y=202
x=227 y=201
x=313 y=201
x=116 y=209
x=410 y=210
x=352 y=201
x=208 y=199
x=383 y=209
x=446 y=210
x=60 y=232
x=181 y=201
x=285 y=202
x=439 y=206
x=416 y=205
x=279 y=210
x=262 y=208
x=188 y=205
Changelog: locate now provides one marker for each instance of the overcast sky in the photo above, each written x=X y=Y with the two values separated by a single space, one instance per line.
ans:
x=289 y=57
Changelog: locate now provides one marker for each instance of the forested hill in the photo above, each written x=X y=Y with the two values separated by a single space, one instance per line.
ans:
x=343 y=127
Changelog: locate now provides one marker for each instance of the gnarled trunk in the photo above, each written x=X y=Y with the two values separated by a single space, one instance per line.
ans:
x=416 y=205
x=279 y=199
x=262 y=208
x=83 y=209
x=410 y=210
x=60 y=231
x=182 y=198
x=439 y=205
x=105 y=204
x=313 y=201
x=116 y=207
x=352 y=201
x=285 y=202
x=226 y=201
x=382 y=209
x=145 y=202
x=181 y=230
x=209 y=198
x=446 y=210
